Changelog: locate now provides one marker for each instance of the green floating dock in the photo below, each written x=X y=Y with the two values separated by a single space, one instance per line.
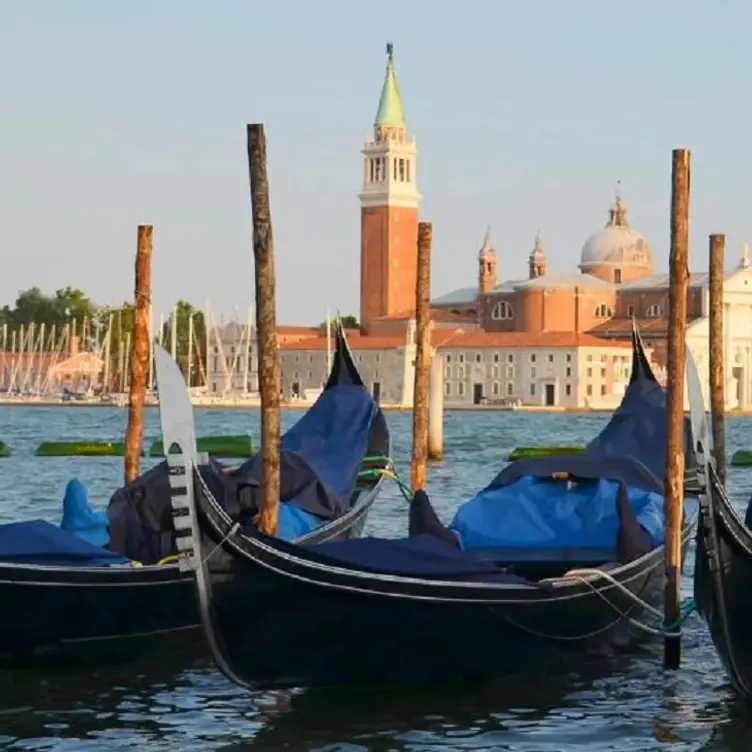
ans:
x=4 y=449
x=742 y=458
x=219 y=446
x=534 y=452
x=80 y=449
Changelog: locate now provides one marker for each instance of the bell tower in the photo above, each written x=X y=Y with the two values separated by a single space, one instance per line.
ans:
x=389 y=202
x=486 y=266
x=536 y=262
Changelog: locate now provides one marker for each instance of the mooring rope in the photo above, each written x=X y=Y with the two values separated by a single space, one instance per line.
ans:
x=686 y=608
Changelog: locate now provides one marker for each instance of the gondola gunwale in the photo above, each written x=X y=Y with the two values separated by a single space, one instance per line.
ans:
x=716 y=510
x=244 y=545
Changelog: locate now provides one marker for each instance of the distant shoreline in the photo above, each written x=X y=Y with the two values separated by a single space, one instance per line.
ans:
x=298 y=405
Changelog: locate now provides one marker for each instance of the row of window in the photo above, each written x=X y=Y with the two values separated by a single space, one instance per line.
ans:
x=503 y=311
x=509 y=389
x=510 y=357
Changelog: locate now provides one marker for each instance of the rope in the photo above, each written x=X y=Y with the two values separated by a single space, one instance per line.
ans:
x=686 y=608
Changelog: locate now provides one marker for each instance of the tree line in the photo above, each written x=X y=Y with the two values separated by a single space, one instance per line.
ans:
x=69 y=309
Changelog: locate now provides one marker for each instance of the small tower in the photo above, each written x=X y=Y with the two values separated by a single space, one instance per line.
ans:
x=389 y=204
x=744 y=256
x=486 y=266
x=537 y=259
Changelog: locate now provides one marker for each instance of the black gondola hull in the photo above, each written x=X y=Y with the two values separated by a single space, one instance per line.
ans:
x=75 y=616
x=723 y=586
x=82 y=616
x=279 y=622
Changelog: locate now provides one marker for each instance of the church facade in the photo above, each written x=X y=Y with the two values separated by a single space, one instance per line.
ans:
x=550 y=339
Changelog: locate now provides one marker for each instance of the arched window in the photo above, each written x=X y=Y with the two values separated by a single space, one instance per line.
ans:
x=603 y=311
x=654 y=312
x=502 y=311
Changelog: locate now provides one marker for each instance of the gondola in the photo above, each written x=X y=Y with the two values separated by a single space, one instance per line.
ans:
x=75 y=599
x=723 y=565
x=555 y=557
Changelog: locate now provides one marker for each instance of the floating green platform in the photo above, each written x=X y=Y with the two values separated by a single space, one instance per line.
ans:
x=80 y=449
x=742 y=458
x=534 y=452
x=219 y=446
x=4 y=449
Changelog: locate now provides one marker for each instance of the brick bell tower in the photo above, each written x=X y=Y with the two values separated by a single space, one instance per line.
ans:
x=389 y=204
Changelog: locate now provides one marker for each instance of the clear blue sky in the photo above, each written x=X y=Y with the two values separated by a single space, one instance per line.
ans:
x=526 y=114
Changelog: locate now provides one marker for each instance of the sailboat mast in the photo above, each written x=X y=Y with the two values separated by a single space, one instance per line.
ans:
x=189 y=369
x=107 y=355
x=151 y=348
x=247 y=356
x=328 y=343
x=207 y=329
x=174 y=334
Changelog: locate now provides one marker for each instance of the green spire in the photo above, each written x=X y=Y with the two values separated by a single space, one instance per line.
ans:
x=390 y=110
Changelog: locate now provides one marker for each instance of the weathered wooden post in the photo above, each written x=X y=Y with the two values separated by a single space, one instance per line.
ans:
x=422 y=358
x=139 y=365
x=717 y=370
x=677 y=328
x=436 y=408
x=266 y=329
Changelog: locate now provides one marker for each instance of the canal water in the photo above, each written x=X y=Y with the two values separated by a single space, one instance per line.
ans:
x=176 y=702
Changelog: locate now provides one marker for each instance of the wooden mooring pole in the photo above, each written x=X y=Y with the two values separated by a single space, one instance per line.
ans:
x=139 y=356
x=422 y=359
x=266 y=329
x=717 y=371
x=676 y=361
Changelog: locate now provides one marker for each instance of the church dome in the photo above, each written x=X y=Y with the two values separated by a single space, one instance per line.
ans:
x=617 y=244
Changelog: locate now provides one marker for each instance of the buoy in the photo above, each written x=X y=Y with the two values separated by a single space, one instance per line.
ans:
x=741 y=458
x=219 y=446
x=534 y=452
x=80 y=449
x=4 y=449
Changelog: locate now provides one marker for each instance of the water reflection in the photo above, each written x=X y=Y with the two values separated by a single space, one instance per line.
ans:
x=618 y=702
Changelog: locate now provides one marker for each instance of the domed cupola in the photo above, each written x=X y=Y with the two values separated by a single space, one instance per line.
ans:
x=617 y=253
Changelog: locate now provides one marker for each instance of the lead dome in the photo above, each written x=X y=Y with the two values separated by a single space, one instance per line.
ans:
x=617 y=244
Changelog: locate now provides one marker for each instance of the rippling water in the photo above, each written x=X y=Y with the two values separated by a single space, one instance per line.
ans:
x=625 y=703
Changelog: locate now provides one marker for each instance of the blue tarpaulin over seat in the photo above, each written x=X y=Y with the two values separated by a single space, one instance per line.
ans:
x=638 y=427
x=42 y=543
x=80 y=519
x=545 y=513
x=421 y=556
x=322 y=453
x=321 y=456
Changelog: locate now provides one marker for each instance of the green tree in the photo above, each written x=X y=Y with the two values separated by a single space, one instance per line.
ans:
x=349 y=322
x=183 y=313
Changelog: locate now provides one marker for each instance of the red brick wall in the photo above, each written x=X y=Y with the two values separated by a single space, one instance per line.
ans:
x=388 y=261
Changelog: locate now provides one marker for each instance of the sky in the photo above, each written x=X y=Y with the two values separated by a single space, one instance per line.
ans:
x=526 y=115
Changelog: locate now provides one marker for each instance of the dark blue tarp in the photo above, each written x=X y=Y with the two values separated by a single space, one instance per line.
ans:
x=546 y=513
x=320 y=460
x=41 y=543
x=322 y=453
x=611 y=500
x=80 y=519
x=420 y=556
x=638 y=427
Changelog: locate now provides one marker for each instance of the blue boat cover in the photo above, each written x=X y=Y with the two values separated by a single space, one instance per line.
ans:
x=80 y=519
x=638 y=427
x=608 y=499
x=420 y=556
x=321 y=456
x=42 y=543
x=544 y=513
